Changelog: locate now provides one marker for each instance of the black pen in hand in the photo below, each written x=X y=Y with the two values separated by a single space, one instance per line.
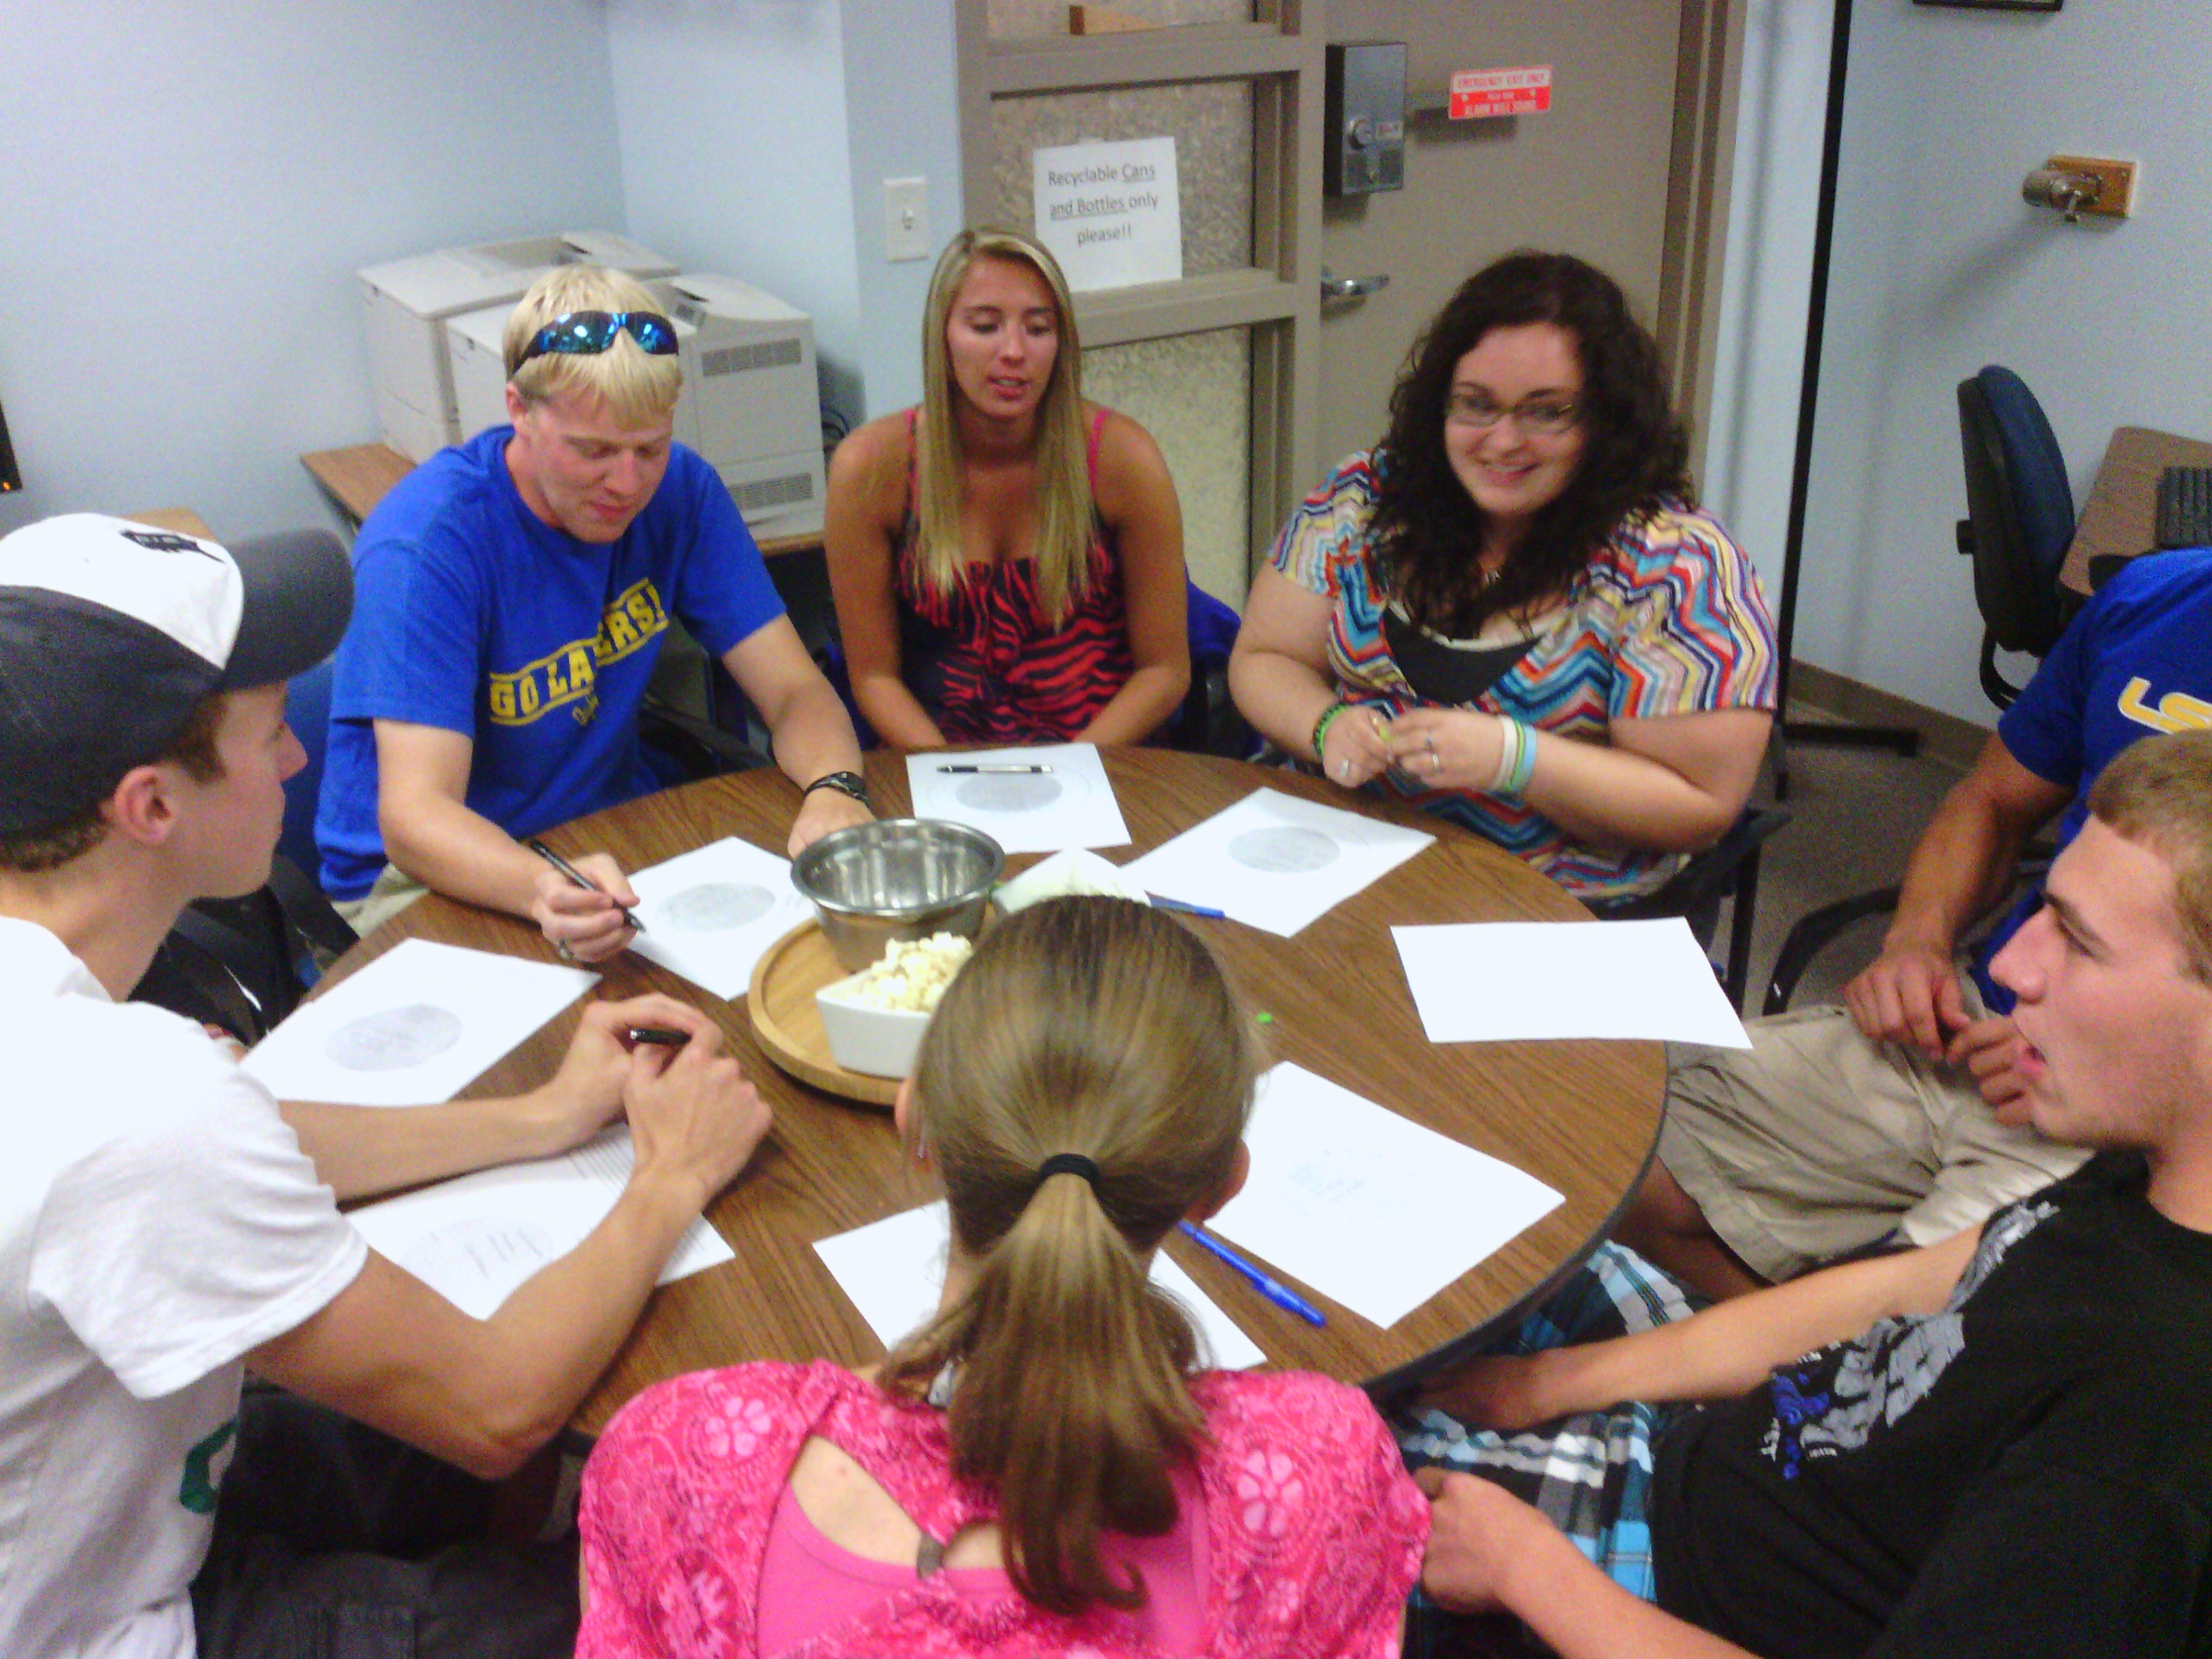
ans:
x=658 y=1036
x=576 y=876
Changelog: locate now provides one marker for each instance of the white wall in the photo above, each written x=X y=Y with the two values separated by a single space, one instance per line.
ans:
x=901 y=79
x=189 y=191
x=1759 y=362
x=1939 y=267
x=755 y=136
x=732 y=116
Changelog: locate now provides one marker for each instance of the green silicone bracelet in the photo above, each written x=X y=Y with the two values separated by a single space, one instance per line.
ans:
x=1321 y=725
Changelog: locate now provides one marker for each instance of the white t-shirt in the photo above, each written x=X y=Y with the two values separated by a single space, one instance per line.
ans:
x=157 y=1220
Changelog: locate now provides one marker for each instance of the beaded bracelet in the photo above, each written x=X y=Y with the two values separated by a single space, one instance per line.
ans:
x=1321 y=725
x=1516 y=758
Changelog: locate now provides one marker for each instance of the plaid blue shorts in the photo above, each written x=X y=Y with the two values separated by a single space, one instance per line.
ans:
x=1591 y=1474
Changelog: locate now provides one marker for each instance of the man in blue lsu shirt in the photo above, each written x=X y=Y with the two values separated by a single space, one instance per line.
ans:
x=1903 y=1116
x=512 y=596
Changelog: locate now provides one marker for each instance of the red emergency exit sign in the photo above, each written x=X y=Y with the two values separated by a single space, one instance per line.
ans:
x=1477 y=94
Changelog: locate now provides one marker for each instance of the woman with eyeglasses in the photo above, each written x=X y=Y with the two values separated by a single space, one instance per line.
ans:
x=1007 y=560
x=1512 y=612
x=1045 y=1466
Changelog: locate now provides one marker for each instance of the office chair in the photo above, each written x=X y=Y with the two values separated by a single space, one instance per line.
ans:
x=683 y=745
x=696 y=722
x=1210 y=722
x=2019 y=517
x=1730 y=867
x=245 y=964
x=1816 y=929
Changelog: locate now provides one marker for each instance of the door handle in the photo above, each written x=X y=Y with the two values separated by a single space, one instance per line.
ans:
x=1333 y=287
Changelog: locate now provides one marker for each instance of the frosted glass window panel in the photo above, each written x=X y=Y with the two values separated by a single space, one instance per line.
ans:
x=1025 y=19
x=1192 y=392
x=1211 y=122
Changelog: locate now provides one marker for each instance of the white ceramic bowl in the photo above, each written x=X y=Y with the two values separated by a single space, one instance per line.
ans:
x=878 y=1041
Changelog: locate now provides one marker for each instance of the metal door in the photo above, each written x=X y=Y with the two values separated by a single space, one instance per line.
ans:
x=1619 y=171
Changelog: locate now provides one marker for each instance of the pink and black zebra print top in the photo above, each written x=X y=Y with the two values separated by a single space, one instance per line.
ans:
x=984 y=660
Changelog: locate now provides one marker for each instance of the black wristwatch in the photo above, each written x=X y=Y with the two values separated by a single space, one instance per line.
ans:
x=845 y=783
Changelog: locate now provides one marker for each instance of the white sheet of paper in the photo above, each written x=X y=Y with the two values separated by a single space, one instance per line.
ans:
x=416 y=1026
x=1072 y=805
x=894 y=1269
x=1496 y=982
x=710 y=912
x=1275 y=862
x=475 y=1239
x=1368 y=1207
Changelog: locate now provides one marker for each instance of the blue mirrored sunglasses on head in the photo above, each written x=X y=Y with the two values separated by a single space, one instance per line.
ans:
x=587 y=333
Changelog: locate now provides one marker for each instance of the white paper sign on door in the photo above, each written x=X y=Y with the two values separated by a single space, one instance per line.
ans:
x=1111 y=213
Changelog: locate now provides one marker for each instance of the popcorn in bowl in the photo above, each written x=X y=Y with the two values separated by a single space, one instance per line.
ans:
x=874 y=1020
x=912 y=975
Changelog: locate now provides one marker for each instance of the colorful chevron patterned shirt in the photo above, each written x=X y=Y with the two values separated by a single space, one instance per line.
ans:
x=1666 y=618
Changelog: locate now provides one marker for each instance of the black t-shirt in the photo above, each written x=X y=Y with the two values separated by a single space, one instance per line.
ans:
x=2027 y=1473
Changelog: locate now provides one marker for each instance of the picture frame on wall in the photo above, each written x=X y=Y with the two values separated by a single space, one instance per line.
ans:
x=1995 y=6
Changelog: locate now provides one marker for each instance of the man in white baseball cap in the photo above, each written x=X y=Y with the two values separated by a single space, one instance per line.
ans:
x=163 y=1225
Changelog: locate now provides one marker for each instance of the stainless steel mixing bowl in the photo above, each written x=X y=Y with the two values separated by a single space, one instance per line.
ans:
x=898 y=878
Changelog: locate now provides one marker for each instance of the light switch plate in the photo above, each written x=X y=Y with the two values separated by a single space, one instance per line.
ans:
x=906 y=219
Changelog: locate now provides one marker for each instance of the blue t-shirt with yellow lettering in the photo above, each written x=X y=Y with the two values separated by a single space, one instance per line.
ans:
x=473 y=615
x=2137 y=661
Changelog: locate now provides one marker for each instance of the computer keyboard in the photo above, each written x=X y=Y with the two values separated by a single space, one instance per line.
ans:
x=2185 y=507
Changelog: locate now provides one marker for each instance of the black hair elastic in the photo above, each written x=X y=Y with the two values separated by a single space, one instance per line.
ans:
x=1068 y=1164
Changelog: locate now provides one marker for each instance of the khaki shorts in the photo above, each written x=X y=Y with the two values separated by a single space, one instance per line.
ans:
x=393 y=892
x=1815 y=1142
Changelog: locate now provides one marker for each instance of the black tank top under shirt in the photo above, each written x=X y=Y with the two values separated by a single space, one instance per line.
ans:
x=1449 y=671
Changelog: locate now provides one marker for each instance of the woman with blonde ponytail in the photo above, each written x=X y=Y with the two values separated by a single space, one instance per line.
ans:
x=1043 y=1468
x=1006 y=559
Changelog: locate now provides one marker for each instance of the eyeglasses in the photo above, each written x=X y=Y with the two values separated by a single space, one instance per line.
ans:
x=1546 y=416
x=587 y=333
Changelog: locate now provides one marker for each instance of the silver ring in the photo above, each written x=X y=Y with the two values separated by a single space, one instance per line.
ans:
x=1432 y=743
x=561 y=950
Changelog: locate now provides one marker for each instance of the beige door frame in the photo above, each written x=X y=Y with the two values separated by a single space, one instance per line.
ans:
x=1708 y=80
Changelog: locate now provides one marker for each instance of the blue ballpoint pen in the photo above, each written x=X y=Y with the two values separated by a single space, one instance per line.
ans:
x=1162 y=902
x=1281 y=1295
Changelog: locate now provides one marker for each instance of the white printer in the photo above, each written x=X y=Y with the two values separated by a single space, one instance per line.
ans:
x=751 y=404
x=407 y=301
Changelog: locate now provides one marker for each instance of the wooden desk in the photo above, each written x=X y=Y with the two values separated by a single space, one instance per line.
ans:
x=356 y=478
x=182 y=520
x=1582 y=1116
x=2122 y=515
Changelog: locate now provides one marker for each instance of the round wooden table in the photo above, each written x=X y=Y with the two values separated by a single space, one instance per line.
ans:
x=1582 y=1116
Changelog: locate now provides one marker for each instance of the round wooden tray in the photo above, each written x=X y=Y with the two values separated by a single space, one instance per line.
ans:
x=788 y=1024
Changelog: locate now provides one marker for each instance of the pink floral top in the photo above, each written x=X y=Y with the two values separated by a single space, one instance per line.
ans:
x=1315 y=1531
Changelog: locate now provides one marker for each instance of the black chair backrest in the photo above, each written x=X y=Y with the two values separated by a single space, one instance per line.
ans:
x=2020 y=510
x=245 y=964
